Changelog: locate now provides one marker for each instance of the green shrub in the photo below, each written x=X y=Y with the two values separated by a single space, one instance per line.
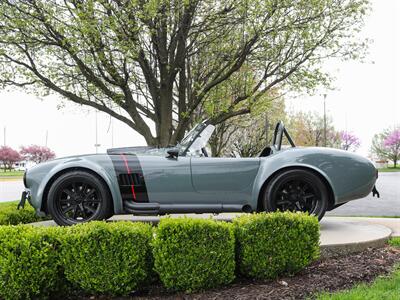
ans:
x=29 y=262
x=395 y=242
x=9 y=215
x=193 y=254
x=271 y=244
x=117 y=258
x=111 y=258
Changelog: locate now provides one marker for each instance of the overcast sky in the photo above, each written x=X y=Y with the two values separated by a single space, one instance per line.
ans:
x=367 y=100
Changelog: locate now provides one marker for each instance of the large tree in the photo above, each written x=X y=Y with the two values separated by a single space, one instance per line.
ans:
x=307 y=129
x=248 y=135
x=153 y=64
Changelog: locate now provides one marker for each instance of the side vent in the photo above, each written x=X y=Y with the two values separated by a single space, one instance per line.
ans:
x=128 y=179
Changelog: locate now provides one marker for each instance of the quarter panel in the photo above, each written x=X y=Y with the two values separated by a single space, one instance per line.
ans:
x=351 y=176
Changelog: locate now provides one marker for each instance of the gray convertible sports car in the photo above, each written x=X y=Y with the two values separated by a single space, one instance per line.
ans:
x=184 y=179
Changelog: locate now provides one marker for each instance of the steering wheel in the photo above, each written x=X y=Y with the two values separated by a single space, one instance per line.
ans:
x=204 y=151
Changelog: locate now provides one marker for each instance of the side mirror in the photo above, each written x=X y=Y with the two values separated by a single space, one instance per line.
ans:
x=173 y=153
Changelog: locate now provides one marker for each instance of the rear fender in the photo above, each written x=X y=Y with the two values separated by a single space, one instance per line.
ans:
x=267 y=171
x=349 y=175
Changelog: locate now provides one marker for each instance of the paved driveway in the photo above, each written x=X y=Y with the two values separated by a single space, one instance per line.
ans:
x=10 y=190
x=388 y=204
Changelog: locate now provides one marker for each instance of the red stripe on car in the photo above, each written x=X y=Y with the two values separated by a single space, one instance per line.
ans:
x=129 y=173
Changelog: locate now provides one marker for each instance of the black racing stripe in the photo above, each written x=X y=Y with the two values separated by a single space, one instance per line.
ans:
x=129 y=173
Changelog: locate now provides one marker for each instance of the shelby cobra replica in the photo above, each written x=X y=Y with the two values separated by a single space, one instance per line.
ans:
x=184 y=179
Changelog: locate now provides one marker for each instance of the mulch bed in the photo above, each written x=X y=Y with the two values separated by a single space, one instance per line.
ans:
x=330 y=274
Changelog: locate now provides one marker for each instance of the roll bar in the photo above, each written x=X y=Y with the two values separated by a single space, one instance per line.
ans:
x=280 y=130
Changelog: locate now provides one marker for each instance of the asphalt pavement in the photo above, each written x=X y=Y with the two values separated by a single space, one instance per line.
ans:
x=388 y=204
x=10 y=189
x=388 y=185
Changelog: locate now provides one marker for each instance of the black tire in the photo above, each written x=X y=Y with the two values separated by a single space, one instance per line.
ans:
x=78 y=197
x=296 y=190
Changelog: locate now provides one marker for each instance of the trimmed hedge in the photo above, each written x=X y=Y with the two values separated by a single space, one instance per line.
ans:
x=118 y=258
x=9 y=215
x=112 y=258
x=272 y=244
x=29 y=262
x=193 y=254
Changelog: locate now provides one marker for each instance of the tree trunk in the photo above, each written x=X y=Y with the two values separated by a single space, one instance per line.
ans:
x=165 y=126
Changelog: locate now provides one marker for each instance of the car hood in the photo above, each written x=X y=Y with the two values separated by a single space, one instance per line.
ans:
x=144 y=150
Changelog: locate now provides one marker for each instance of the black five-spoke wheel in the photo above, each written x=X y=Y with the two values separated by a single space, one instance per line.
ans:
x=296 y=190
x=77 y=197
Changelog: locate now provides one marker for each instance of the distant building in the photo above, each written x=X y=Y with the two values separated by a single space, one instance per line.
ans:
x=381 y=164
x=23 y=165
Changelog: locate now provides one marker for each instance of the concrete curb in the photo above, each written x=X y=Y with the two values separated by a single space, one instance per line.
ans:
x=342 y=236
x=343 y=249
x=391 y=223
x=4 y=179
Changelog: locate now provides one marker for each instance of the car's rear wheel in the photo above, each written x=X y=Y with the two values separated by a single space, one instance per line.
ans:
x=296 y=190
x=77 y=197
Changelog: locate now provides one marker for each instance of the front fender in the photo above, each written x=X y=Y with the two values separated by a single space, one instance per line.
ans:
x=99 y=164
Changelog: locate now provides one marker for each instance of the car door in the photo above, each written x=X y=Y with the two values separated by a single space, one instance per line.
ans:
x=224 y=180
x=168 y=180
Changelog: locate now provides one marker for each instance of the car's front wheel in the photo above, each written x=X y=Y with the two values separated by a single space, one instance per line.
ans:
x=77 y=197
x=296 y=190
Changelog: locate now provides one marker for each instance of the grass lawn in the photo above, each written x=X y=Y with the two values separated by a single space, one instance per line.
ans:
x=8 y=204
x=383 y=288
x=11 y=173
x=389 y=169
x=395 y=242
x=9 y=215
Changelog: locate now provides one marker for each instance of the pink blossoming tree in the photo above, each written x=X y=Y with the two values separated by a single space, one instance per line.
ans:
x=8 y=157
x=386 y=145
x=349 y=141
x=392 y=143
x=37 y=154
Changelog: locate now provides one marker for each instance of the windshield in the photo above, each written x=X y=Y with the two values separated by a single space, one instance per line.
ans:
x=196 y=139
x=190 y=137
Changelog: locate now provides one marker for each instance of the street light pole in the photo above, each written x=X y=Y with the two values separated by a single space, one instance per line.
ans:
x=97 y=145
x=112 y=133
x=324 y=120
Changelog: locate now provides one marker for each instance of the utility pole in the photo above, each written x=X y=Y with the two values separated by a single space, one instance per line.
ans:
x=324 y=120
x=112 y=133
x=111 y=126
x=4 y=138
x=47 y=137
x=97 y=145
